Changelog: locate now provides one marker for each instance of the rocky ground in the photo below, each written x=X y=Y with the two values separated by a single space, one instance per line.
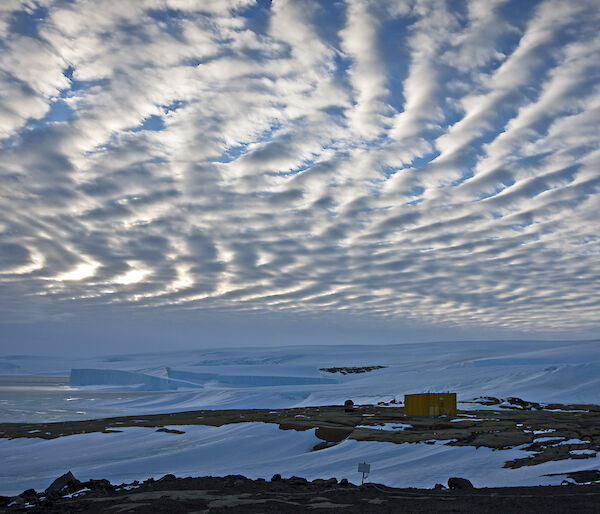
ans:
x=239 y=494
x=551 y=432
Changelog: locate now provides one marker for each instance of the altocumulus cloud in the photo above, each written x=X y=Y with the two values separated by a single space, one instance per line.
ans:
x=413 y=159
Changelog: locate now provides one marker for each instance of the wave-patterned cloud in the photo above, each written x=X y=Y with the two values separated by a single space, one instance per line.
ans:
x=413 y=159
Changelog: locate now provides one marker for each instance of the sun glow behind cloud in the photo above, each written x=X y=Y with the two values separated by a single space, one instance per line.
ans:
x=424 y=160
x=133 y=276
x=80 y=272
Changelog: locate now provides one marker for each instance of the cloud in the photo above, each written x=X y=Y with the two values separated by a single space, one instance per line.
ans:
x=423 y=160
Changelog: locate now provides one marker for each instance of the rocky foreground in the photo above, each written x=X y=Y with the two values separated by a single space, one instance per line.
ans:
x=546 y=432
x=239 y=494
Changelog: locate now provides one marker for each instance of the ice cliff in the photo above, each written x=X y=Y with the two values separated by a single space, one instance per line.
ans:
x=84 y=377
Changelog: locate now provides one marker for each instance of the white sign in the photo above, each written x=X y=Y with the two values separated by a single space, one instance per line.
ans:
x=363 y=467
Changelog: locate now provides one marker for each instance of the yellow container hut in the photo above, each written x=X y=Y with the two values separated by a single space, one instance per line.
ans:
x=430 y=404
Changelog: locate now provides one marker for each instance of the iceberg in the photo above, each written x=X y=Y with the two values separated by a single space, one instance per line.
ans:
x=248 y=380
x=85 y=377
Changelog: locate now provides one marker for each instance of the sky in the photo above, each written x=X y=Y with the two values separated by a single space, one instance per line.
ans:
x=179 y=173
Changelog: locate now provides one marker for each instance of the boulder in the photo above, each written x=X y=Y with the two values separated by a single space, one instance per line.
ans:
x=459 y=483
x=344 y=482
x=276 y=478
x=167 y=478
x=29 y=493
x=99 y=484
x=439 y=487
x=349 y=406
x=297 y=481
x=66 y=480
x=325 y=483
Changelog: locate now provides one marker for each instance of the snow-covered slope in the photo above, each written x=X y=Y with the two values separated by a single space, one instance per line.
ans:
x=259 y=450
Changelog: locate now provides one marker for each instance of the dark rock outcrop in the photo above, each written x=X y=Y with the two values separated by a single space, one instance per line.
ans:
x=489 y=400
x=333 y=434
x=98 y=484
x=523 y=404
x=66 y=480
x=322 y=482
x=351 y=369
x=581 y=477
x=459 y=483
x=297 y=481
x=235 y=493
x=170 y=430
x=321 y=446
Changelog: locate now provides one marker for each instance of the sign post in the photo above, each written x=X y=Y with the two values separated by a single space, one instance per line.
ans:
x=365 y=469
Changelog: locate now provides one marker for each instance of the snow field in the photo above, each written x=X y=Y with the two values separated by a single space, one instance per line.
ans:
x=259 y=450
x=561 y=371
